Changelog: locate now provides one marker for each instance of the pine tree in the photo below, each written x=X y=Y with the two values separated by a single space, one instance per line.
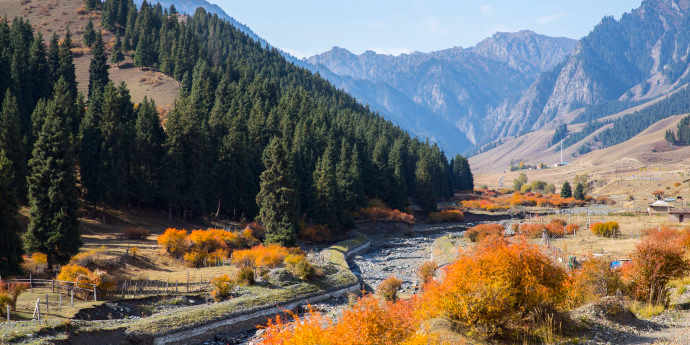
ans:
x=12 y=142
x=53 y=58
x=89 y=34
x=148 y=153
x=325 y=192
x=397 y=160
x=113 y=161
x=566 y=192
x=66 y=66
x=91 y=4
x=11 y=244
x=98 y=70
x=53 y=222
x=579 y=193
x=277 y=198
x=426 y=196
x=90 y=148
x=117 y=56
x=462 y=173
x=40 y=87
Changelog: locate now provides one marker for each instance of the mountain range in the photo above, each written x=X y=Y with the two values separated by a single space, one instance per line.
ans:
x=450 y=89
x=512 y=83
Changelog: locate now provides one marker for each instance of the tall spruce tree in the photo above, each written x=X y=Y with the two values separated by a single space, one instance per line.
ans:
x=566 y=191
x=98 y=70
x=90 y=141
x=53 y=218
x=148 y=153
x=277 y=198
x=66 y=67
x=53 y=60
x=326 y=192
x=12 y=142
x=89 y=34
x=462 y=173
x=579 y=193
x=117 y=56
x=11 y=244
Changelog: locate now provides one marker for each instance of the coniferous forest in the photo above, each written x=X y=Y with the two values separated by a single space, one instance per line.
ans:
x=249 y=135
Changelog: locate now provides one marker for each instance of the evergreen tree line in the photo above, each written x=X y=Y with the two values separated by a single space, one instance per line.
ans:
x=682 y=134
x=39 y=121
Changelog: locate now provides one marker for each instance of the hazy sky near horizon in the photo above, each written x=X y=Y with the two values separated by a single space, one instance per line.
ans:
x=307 y=27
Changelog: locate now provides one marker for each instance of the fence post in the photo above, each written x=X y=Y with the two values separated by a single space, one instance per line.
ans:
x=71 y=298
x=47 y=305
x=60 y=304
x=187 y=281
x=8 y=314
x=95 y=298
x=31 y=283
x=37 y=309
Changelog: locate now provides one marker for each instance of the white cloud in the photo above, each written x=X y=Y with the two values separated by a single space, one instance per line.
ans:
x=376 y=25
x=434 y=27
x=487 y=10
x=550 y=18
x=391 y=50
x=296 y=53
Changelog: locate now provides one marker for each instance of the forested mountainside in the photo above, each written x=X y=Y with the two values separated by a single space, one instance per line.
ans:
x=445 y=93
x=190 y=6
x=250 y=134
x=641 y=56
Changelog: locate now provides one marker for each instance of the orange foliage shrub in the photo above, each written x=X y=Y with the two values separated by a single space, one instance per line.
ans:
x=531 y=230
x=208 y=241
x=572 y=228
x=9 y=292
x=314 y=232
x=655 y=261
x=608 y=229
x=261 y=256
x=482 y=231
x=36 y=263
x=257 y=229
x=300 y=266
x=378 y=213
x=447 y=216
x=368 y=322
x=222 y=287
x=85 y=278
x=594 y=279
x=174 y=241
x=497 y=282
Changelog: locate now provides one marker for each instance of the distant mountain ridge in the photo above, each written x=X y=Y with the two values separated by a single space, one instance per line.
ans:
x=641 y=56
x=452 y=88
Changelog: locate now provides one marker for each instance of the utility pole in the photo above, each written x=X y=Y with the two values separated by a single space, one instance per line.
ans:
x=561 y=151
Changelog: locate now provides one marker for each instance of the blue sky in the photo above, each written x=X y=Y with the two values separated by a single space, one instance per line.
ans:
x=308 y=27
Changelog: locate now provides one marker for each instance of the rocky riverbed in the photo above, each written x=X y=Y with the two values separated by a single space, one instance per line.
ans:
x=399 y=255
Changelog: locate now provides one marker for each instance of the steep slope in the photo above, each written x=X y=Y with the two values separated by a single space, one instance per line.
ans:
x=457 y=85
x=190 y=6
x=641 y=56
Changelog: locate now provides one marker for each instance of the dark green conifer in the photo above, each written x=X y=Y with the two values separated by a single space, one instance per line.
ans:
x=117 y=56
x=277 y=198
x=579 y=193
x=566 y=191
x=53 y=217
x=66 y=69
x=12 y=142
x=89 y=34
x=11 y=243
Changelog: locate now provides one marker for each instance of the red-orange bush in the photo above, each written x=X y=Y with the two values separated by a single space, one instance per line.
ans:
x=497 y=282
x=82 y=276
x=594 y=279
x=482 y=231
x=572 y=228
x=447 y=216
x=389 y=287
x=530 y=230
x=378 y=213
x=655 y=261
x=9 y=292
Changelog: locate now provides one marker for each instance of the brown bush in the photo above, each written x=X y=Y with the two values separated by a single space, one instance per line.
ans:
x=300 y=266
x=245 y=276
x=594 y=279
x=389 y=287
x=426 y=272
x=135 y=233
